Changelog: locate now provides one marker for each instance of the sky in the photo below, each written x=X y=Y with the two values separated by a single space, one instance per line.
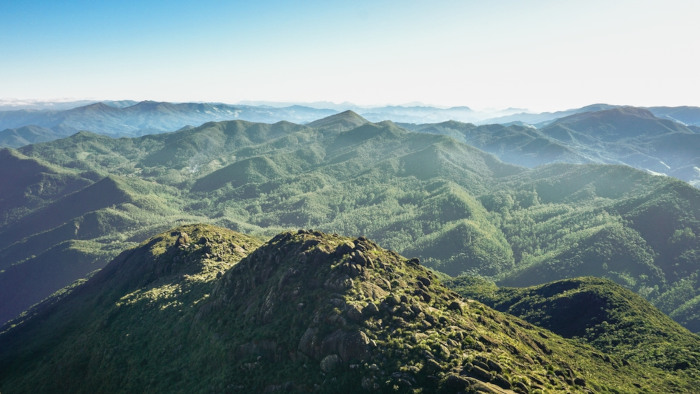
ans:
x=533 y=54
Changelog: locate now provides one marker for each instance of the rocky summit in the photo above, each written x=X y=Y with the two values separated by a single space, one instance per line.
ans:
x=205 y=309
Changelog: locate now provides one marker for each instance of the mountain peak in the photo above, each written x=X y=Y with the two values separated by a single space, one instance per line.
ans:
x=193 y=250
x=307 y=311
x=609 y=114
x=632 y=111
x=149 y=105
x=342 y=121
x=94 y=108
x=617 y=123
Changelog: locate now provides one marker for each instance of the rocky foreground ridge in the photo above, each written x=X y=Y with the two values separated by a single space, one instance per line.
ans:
x=205 y=309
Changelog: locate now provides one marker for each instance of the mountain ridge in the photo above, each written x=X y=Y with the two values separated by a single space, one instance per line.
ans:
x=304 y=311
x=619 y=135
x=130 y=118
x=593 y=310
x=450 y=204
x=342 y=121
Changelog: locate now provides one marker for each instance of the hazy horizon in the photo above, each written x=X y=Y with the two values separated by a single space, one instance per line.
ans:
x=538 y=55
x=47 y=103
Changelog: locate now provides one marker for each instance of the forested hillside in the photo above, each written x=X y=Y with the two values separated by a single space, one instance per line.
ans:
x=199 y=308
x=605 y=135
x=458 y=209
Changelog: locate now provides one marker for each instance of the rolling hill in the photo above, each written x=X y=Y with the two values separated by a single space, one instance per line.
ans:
x=457 y=208
x=597 y=311
x=648 y=139
x=25 y=126
x=618 y=135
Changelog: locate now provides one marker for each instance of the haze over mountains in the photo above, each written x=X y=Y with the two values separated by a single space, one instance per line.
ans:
x=619 y=135
x=662 y=140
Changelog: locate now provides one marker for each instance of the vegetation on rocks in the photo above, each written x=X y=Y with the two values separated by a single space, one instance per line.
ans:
x=200 y=308
x=598 y=312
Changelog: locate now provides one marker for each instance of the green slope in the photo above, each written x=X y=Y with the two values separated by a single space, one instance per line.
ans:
x=599 y=312
x=29 y=183
x=343 y=121
x=104 y=193
x=599 y=134
x=307 y=311
x=521 y=145
x=27 y=283
x=427 y=195
x=25 y=135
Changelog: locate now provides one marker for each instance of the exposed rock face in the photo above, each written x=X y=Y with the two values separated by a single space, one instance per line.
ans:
x=356 y=309
x=330 y=363
x=348 y=345
x=351 y=346
x=183 y=239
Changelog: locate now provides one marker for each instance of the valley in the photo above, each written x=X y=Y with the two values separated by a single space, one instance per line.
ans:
x=73 y=204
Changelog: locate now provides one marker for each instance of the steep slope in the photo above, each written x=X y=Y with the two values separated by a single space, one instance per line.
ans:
x=37 y=276
x=25 y=135
x=598 y=311
x=45 y=249
x=606 y=221
x=682 y=301
x=305 y=312
x=29 y=183
x=104 y=193
x=633 y=136
x=615 y=124
x=686 y=115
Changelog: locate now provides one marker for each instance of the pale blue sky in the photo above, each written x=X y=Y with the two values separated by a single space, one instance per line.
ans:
x=539 y=54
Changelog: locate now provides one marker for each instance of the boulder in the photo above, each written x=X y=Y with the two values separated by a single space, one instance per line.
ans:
x=354 y=312
x=454 y=384
x=308 y=344
x=182 y=239
x=455 y=306
x=423 y=295
x=330 y=363
x=414 y=262
x=479 y=373
x=345 y=248
x=352 y=345
x=501 y=382
x=370 y=310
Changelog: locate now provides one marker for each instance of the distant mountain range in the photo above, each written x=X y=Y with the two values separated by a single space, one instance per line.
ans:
x=129 y=119
x=618 y=135
x=661 y=140
x=685 y=115
x=146 y=117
